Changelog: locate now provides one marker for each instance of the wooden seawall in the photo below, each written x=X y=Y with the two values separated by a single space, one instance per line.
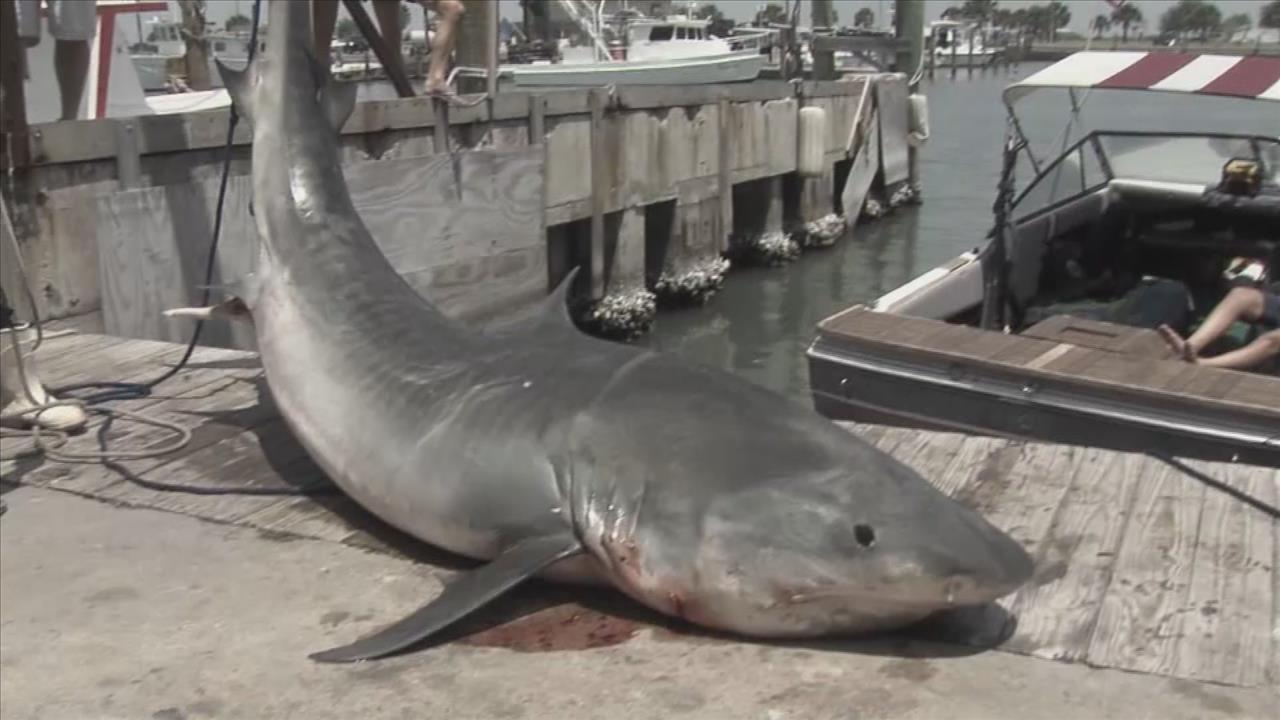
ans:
x=643 y=186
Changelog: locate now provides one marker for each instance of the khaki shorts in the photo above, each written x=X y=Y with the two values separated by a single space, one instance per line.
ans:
x=68 y=19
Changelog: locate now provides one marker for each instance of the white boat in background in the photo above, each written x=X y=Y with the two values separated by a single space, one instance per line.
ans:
x=162 y=54
x=960 y=43
x=675 y=50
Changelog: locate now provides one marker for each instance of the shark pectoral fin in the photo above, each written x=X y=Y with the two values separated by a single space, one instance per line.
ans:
x=239 y=84
x=466 y=594
x=233 y=307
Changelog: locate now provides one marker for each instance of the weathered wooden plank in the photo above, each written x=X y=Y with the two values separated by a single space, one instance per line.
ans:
x=473 y=243
x=599 y=191
x=1056 y=613
x=1229 y=618
x=891 y=104
x=1142 y=612
x=153 y=246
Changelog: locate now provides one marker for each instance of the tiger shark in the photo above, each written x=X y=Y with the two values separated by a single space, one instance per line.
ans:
x=545 y=452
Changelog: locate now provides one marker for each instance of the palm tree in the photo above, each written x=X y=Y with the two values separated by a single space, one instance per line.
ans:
x=864 y=18
x=1127 y=15
x=772 y=14
x=1058 y=16
x=237 y=23
x=1236 y=24
x=978 y=11
x=1270 y=16
x=1101 y=24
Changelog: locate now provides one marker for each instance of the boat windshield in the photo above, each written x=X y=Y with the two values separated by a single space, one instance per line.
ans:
x=1194 y=161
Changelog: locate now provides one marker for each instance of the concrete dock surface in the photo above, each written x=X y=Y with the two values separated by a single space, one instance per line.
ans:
x=114 y=612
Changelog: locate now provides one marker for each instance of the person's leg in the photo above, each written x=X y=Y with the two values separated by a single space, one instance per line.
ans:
x=1265 y=347
x=324 y=18
x=71 y=64
x=388 y=14
x=449 y=12
x=73 y=26
x=1241 y=303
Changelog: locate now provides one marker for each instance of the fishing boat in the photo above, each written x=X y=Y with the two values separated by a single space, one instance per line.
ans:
x=1049 y=330
x=960 y=44
x=675 y=50
x=161 y=55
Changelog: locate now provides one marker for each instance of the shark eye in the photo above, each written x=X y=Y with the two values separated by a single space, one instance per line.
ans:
x=865 y=535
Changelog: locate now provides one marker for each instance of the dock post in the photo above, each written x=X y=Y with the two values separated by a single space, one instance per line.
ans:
x=599 y=186
x=474 y=45
x=953 y=58
x=969 y=62
x=14 y=140
x=724 y=174
x=537 y=119
x=824 y=61
x=908 y=26
x=128 y=156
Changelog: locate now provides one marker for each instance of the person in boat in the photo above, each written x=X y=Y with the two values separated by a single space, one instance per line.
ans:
x=324 y=15
x=72 y=23
x=1251 y=304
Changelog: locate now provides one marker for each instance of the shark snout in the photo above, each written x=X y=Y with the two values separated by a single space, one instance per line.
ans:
x=991 y=566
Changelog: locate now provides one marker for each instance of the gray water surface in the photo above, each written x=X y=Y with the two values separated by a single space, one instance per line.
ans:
x=762 y=321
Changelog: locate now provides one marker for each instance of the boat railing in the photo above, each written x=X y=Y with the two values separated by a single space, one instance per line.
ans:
x=754 y=39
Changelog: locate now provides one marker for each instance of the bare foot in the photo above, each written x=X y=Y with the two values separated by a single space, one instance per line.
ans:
x=1180 y=347
x=438 y=87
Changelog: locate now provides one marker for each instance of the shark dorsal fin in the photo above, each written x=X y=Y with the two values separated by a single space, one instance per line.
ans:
x=240 y=85
x=555 y=308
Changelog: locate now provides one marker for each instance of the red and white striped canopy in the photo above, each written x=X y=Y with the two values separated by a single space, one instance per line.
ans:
x=1253 y=76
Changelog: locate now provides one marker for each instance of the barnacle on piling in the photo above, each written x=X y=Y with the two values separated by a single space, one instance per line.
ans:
x=824 y=231
x=624 y=315
x=772 y=249
x=693 y=286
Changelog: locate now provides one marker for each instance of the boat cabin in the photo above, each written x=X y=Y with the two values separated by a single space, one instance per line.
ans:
x=1051 y=328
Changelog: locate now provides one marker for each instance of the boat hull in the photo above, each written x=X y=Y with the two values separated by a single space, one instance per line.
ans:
x=927 y=385
x=735 y=67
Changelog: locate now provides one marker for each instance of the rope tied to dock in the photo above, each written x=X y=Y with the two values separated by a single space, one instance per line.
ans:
x=49 y=443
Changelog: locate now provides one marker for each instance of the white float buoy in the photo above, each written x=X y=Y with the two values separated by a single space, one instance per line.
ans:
x=813 y=142
x=918 y=120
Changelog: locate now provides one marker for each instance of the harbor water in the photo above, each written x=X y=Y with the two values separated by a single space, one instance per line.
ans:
x=760 y=324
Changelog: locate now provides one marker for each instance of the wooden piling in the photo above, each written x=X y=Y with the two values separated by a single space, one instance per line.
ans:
x=969 y=63
x=599 y=188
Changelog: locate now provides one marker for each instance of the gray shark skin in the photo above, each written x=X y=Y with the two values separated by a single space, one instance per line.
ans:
x=550 y=453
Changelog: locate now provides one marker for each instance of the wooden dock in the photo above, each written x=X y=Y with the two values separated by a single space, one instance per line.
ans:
x=1139 y=566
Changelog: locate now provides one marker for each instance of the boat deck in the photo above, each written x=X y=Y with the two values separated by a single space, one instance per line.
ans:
x=1139 y=566
x=1049 y=368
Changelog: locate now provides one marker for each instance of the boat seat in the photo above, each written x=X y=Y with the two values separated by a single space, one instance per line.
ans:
x=1131 y=341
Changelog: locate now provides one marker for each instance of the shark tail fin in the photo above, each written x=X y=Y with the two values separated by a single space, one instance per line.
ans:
x=240 y=85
